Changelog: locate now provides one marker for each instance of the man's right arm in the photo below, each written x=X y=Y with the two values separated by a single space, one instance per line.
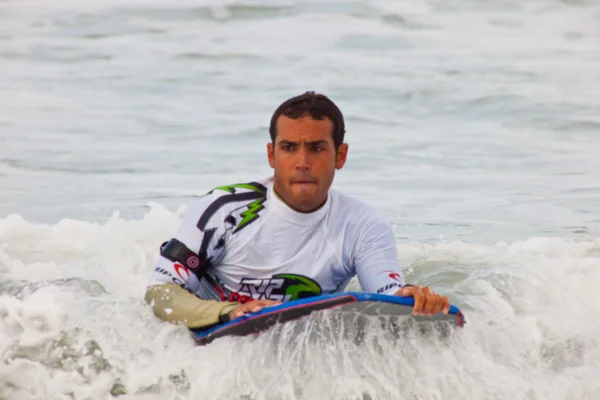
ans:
x=175 y=280
x=171 y=303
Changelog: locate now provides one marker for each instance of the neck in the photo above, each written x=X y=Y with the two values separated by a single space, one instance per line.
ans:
x=296 y=209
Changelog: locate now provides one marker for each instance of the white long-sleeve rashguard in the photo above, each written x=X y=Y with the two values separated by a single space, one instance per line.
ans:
x=243 y=242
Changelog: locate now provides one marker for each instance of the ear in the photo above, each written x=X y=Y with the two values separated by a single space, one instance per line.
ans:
x=271 y=154
x=340 y=158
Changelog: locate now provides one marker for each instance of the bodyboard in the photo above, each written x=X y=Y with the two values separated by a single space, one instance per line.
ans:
x=357 y=302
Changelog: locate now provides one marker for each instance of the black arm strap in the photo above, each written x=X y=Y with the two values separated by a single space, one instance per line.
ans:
x=176 y=251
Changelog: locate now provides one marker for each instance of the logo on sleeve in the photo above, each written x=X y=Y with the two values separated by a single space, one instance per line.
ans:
x=388 y=287
x=183 y=275
x=182 y=271
x=394 y=275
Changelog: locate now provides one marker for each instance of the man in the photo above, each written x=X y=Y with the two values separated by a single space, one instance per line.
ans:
x=247 y=246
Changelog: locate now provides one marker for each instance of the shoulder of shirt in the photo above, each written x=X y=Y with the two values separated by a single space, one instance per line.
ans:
x=222 y=200
x=257 y=186
x=359 y=209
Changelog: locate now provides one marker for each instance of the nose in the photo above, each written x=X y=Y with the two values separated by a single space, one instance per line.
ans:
x=302 y=161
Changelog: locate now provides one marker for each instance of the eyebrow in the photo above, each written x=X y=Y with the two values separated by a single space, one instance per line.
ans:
x=313 y=143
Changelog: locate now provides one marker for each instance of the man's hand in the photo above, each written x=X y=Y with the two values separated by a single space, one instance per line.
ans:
x=426 y=301
x=251 y=306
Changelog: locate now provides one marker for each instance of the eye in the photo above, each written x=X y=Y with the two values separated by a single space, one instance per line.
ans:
x=317 y=149
x=287 y=147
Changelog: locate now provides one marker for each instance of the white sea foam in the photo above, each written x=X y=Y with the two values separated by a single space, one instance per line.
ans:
x=73 y=320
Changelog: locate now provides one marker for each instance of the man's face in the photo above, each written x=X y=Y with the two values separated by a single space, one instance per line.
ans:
x=305 y=160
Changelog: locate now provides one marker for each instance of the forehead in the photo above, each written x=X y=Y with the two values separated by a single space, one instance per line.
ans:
x=304 y=128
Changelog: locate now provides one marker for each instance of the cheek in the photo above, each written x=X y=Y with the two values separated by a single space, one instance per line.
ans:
x=283 y=167
x=283 y=162
x=327 y=162
x=325 y=168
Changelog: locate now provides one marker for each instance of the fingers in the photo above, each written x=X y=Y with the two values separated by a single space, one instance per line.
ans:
x=236 y=312
x=446 y=305
x=252 y=307
x=429 y=301
x=257 y=305
x=419 y=300
x=426 y=301
x=266 y=303
x=433 y=302
x=417 y=294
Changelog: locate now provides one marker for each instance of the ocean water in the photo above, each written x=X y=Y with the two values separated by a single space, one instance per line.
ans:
x=473 y=125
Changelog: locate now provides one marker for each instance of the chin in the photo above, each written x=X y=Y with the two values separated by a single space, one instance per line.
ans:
x=306 y=201
x=305 y=193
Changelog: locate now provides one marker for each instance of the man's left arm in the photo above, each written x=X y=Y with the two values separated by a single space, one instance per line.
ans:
x=378 y=269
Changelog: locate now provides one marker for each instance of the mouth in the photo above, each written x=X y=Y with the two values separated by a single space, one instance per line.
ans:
x=304 y=182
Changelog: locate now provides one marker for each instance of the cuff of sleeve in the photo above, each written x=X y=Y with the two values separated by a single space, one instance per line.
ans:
x=395 y=289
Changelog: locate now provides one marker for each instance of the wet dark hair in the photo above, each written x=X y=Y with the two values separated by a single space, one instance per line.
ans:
x=318 y=106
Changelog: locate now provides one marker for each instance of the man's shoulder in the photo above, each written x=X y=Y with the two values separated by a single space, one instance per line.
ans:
x=362 y=223
x=355 y=208
x=224 y=199
x=233 y=193
x=258 y=187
